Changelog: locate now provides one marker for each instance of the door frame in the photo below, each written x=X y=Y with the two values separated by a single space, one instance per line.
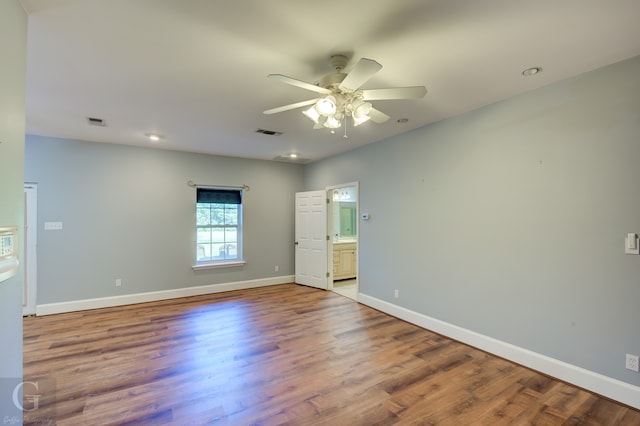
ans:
x=330 y=224
x=30 y=256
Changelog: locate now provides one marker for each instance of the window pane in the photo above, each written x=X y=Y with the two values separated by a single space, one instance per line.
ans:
x=231 y=251
x=231 y=235
x=217 y=251
x=203 y=235
x=217 y=235
x=231 y=214
x=203 y=252
x=203 y=215
x=228 y=251
x=217 y=214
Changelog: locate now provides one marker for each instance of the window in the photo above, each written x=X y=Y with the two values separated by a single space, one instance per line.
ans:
x=218 y=227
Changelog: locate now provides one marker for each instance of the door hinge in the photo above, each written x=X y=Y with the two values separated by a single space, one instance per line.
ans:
x=328 y=201
x=327 y=274
x=327 y=238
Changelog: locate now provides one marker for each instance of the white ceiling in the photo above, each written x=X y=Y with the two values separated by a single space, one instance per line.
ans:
x=196 y=71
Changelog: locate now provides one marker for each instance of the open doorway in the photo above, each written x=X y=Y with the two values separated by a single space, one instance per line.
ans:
x=343 y=227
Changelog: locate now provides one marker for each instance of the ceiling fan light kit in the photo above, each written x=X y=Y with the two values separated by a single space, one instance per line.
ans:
x=326 y=106
x=342 y=97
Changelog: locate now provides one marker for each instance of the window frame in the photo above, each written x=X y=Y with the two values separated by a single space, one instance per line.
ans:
x=220 y=263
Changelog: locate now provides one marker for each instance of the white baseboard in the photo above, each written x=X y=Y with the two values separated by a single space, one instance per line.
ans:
x=603 y=385
x=128 y=299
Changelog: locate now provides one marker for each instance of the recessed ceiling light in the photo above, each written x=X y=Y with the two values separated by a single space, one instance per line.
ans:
x=154 y=137
x=293 y=157
x=532 y=71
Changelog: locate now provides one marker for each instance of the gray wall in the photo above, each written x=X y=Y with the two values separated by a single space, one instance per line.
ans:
x=13 y=48
x=510 y=220
x=128 y=213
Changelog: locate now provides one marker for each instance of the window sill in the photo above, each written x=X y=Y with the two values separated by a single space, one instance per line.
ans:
x=218 y=265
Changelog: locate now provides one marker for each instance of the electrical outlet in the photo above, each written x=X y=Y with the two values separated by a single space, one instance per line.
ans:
x=633 y=363
x=396 y=293
x=119 y=282
x=277 y=268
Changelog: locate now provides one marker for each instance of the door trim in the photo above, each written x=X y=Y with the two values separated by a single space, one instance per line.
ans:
x=30 y=257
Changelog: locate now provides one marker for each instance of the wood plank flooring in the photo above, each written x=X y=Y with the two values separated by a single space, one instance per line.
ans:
x=281 y=355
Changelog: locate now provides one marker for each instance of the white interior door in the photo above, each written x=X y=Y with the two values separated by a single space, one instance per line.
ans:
x=29 y=261
x=311 y=239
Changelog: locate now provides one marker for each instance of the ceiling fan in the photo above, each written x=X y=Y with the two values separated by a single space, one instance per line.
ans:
x=341 y=96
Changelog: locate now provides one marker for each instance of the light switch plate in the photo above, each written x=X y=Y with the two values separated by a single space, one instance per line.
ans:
x=52 y=226
x=631 y=244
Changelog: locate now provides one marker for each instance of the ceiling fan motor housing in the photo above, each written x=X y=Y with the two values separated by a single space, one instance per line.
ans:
x=338 y=62
x=332 y=81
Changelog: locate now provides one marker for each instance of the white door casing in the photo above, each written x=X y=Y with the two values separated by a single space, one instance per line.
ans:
x=29 y=259
x=311 y=239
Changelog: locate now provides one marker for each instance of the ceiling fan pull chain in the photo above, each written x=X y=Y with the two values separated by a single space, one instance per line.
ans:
x=345 y=126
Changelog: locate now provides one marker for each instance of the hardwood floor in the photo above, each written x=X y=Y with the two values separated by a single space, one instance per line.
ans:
x=284 y=354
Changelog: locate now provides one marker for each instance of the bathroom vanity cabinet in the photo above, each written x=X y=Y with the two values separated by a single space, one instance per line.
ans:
x=344 y=260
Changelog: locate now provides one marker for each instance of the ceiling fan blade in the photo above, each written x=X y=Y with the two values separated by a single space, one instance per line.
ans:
x=378 y=116
x=394 y=93
x=363 y=71
x=299 y=83
x=290 y=106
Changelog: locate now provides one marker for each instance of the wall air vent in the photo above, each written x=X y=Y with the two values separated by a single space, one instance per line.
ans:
x=268 y=132
x=96 y=121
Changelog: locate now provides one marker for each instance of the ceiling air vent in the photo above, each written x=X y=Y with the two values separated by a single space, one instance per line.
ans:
x=268 y=132
x=96 y=121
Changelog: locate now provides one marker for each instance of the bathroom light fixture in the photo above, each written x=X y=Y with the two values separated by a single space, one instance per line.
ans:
x=341 y=195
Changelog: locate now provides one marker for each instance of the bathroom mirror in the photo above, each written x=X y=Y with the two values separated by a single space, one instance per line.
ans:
x=344 y=214
x=348 y=220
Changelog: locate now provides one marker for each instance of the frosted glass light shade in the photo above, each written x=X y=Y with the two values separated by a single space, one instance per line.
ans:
x=313 y=114
x=359 y=120
x=326 y=106
x=332 y=123
x=360 y=109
